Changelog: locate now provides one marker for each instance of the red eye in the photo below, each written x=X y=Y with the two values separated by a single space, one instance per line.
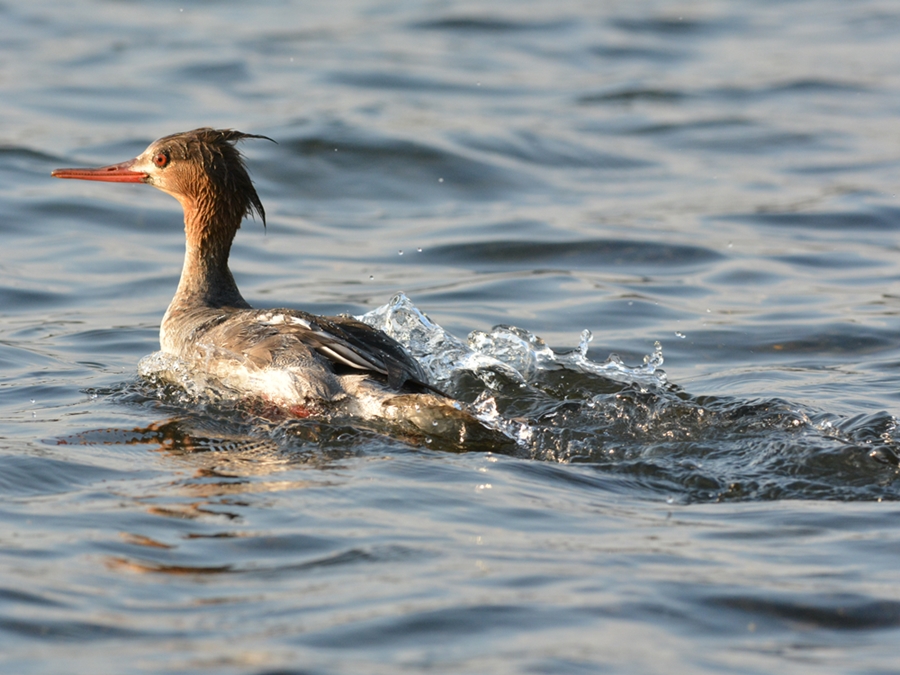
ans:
x=160 y=159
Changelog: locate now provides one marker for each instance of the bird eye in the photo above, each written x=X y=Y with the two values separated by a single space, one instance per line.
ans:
x=160 y=159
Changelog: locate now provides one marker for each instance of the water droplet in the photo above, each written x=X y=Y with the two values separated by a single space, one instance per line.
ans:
x=586 y=337
x=419 y=249
x=440 y=180
x=400 y=252
x=678 y=333
x=371 y=276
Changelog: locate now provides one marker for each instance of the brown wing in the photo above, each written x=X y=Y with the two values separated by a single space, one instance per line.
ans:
x=345 y=340
x=279 y=336
x=375 y=350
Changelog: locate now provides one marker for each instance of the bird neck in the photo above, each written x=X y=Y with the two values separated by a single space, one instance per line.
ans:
x=206 y=280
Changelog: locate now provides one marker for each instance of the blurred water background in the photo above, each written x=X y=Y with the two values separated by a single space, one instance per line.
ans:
x=718 y=176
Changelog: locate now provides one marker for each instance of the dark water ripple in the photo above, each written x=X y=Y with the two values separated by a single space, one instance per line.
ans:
x=495 y=24
x=591 y=254
x=29 y=475
x=394 y=81
x=882 y=219
x=791 y=90
x=342 y=166
x=666 y=27
x=548 y=152
x=839 y=613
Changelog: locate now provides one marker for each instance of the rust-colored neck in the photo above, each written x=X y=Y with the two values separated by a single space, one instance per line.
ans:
x=206 y=281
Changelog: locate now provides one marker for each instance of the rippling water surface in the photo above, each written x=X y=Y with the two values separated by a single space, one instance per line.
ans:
x=718 y=177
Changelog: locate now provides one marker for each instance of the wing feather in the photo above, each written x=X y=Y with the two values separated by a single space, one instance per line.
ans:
x=351 y=343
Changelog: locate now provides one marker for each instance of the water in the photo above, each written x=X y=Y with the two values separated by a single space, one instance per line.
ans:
x=717 y=177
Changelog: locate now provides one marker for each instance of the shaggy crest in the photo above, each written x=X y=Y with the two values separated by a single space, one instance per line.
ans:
x=215 y=153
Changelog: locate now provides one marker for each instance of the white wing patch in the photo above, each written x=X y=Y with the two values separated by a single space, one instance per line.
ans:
x=328 y=345
x=348 y=357
x=273 y=319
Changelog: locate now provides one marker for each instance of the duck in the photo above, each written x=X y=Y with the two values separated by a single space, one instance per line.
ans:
x=303 y=364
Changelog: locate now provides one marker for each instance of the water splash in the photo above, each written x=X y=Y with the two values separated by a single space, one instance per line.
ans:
x=507 y=351
x=167 y=370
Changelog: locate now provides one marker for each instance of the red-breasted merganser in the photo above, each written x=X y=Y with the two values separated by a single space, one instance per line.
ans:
x=302 y=363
